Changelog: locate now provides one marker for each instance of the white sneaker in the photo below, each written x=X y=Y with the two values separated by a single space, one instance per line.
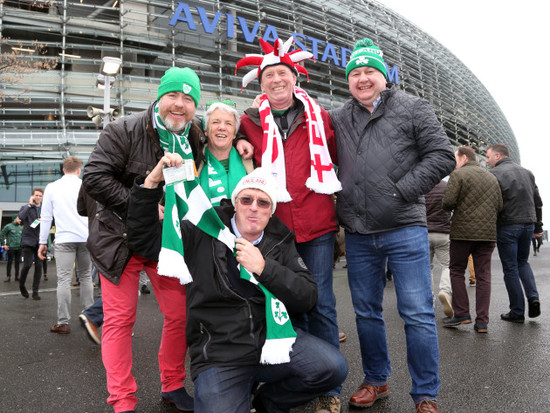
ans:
x=446 y=301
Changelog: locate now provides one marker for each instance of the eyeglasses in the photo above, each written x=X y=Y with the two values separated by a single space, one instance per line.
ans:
x=248 y=200
x=225 y=102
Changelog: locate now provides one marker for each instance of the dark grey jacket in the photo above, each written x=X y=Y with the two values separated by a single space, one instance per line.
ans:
x=522 y=202
x=29 y=236
x=387 y=161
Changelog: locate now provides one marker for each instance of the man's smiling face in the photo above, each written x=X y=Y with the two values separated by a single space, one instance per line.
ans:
x=176 y=109
x=365 y=84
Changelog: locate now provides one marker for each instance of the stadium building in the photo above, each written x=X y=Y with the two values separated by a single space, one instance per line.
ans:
x=43 y=115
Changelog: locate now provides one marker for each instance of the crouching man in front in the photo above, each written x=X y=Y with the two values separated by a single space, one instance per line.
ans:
x=238 y=329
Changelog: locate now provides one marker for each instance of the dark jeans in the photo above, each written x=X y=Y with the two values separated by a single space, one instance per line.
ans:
x=481 y=253
x=514 y=243
x=15 y=257
x=315 y=367
x=95 y=312
x=28 y=254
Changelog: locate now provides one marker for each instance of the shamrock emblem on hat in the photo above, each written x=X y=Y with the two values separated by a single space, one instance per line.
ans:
x=362 y=60
x=186 y=88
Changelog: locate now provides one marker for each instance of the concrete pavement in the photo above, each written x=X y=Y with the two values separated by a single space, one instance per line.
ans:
x=505 y=370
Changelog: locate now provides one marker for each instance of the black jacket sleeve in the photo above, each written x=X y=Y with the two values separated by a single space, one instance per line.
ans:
x=142 y=222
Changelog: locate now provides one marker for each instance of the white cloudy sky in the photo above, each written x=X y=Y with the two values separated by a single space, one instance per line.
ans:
x=506 y=45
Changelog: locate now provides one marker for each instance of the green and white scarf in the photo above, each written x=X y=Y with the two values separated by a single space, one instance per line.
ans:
x=184 y=200
x=218 y=183
x=280 y=336
x=187 y=200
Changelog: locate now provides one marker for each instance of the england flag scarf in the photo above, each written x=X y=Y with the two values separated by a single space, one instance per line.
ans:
x=322 y=177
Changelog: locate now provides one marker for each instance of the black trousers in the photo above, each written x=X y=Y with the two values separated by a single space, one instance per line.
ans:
x=30 y=254
x=14 y=256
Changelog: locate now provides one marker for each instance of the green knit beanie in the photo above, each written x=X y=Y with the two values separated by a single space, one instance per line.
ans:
x=177 y=79
x=366 y=54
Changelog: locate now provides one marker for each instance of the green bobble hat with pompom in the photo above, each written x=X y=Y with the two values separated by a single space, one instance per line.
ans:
x=177 y=79
x=366 y=53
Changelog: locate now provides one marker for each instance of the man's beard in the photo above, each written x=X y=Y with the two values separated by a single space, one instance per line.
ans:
x=172 y=127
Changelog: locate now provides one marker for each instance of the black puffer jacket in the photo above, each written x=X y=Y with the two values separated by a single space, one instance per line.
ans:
x=127 y=148
x=520 y=194
x=387 y=161
x=223 y=327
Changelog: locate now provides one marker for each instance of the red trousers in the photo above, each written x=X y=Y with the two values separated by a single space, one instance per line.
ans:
x=119 y=307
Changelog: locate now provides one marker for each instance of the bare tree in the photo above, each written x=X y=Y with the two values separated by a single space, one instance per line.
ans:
x=18 y=60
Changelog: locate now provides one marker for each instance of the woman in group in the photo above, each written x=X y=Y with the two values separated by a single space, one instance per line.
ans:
x=222 y=166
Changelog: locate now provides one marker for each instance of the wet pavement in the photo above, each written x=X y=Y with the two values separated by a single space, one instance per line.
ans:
x=505 y=370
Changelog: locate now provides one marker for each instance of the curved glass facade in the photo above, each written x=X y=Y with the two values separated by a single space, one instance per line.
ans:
x=50 y=122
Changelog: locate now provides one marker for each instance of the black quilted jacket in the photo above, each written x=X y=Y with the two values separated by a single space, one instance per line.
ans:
x=473 y=194
x=387 y=161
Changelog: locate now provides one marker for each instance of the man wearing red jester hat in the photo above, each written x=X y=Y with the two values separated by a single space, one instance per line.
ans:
x=292 y=136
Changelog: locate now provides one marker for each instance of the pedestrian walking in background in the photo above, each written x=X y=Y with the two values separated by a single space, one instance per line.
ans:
x=71 y=233
x=520 y=215
x=30 y=220
x=473 y=194
x=439 y=227
x=11 y=242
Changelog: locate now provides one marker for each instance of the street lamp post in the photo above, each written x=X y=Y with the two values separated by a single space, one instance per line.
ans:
x=109 y=70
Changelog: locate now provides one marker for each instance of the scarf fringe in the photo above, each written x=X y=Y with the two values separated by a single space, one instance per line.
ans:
x=328 y=188
x=277 y=350
x=172 y=264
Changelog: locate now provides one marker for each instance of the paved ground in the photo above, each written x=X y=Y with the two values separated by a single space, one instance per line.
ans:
x=503 y=371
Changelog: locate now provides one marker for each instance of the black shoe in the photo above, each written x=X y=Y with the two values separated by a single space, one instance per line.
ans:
x=45 y=277
x=180 y=398
x=534 y=307
x=7 y=280
x=36 y=297
x=145 y=289
x=480 y=328
x=24 y=292
x=16 y=278
x=456 y=321
x=513 y=318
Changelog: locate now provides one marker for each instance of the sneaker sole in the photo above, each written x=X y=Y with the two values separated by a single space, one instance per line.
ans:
x=85 y=323
x=378 y=396
x=457 y=324
x=447 y=306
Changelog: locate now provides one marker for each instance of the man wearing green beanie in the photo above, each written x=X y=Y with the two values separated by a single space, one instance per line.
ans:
x=391 y=151
x=11 y=242
x=127 y=148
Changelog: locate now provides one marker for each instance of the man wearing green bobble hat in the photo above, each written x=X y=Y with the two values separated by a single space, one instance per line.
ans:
x=391 y=151
x=127 y=148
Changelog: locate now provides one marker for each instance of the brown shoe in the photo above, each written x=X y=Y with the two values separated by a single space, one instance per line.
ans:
x=426 y=406
x=91 y=328
x=342 y=337
x=60 y=329
x=367 y=394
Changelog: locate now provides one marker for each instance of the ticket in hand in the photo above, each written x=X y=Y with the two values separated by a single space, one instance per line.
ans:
x=185 y=172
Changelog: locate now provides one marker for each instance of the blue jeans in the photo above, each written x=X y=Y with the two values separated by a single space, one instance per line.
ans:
x=314 y=368
x=95 y=312
x=514 y=243
x=321 y=321
x=408 y=254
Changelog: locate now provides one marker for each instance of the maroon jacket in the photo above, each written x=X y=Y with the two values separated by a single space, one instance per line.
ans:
x=439 y=220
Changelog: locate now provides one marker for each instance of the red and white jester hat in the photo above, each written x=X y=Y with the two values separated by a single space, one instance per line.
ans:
x=274 y=55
